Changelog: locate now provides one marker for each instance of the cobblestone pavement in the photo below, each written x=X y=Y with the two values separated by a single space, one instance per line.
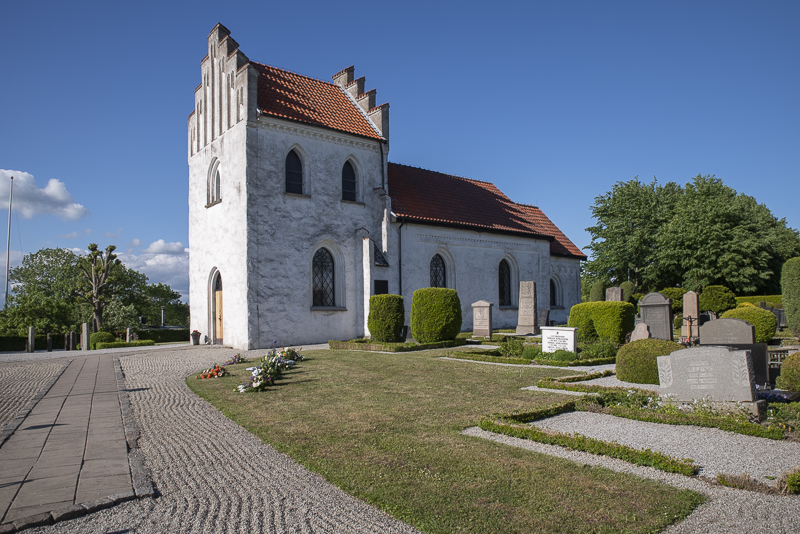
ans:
x=212 y=475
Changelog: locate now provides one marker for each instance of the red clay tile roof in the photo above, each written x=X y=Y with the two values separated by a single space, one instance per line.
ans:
x=291 y=96
x=438 y=198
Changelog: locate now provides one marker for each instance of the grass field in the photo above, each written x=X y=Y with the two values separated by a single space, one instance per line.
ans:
x=387 y=429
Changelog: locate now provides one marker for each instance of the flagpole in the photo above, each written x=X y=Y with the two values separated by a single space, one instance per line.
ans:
x=8 y=238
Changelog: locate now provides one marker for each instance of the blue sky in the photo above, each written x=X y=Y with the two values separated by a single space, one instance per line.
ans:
x=552 y=101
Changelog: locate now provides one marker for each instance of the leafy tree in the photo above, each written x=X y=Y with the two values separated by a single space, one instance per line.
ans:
x=43 y=293
x=176 y=312
x=702 y=234
x=95 y=269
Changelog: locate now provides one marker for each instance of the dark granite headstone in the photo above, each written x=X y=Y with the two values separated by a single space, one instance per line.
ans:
x=656 y=311
x=544 y=318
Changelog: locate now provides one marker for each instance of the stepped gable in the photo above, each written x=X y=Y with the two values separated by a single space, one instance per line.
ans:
x=299 y=98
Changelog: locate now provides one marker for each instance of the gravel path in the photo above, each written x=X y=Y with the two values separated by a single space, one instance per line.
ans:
x=212 y=474
x=19 y=383
x=715 y=451
x=727 y=511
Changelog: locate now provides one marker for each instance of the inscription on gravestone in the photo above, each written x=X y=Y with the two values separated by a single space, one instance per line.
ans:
x=558 y=338
x=482 y=318
x=614 y=294
x=526 y=320
x=656 y=312
x=738 y=334
x=717 y=373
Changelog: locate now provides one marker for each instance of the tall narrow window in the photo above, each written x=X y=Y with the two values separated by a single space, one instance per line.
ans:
x=504 y=283
x=438 y=274
x=348 y=182
x=322 y=274
x=294 y=173
x=213 y=190
x=553 y=294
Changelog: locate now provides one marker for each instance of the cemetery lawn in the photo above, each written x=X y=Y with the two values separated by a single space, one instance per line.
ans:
x=386 y=428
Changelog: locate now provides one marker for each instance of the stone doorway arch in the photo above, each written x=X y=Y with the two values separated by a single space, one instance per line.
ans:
x=216 y=320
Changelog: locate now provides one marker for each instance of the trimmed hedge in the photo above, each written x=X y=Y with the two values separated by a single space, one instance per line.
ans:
x=165 y=336
x=123 y=344
x=773 y=301
x=387 y=313
x=637 y=361
x=435 y=314
x=101 y=337
x=789 y=378
x=717 y=299
x=612 y=320
x=763 y=320
x=598 y=292
x=365 y=345
x=790 y=286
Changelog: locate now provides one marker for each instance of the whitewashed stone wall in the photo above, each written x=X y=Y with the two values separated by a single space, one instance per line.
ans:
x=566 y=273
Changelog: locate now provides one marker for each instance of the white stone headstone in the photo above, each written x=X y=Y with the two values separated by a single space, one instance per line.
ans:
x=558 y=338
x=482 y=318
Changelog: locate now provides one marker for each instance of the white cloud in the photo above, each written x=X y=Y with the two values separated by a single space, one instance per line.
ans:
x=167 y=268
x=71 y=235
x=162 y=247
x=30 y=200
x=113 y=234
x=136 y=242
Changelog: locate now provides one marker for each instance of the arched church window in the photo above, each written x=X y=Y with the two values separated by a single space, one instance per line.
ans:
x=348 y=182
x=504 y=283
x=438 y=273
x=553 y=293
x=294 y=173
x=213 y=189
x=323 y=279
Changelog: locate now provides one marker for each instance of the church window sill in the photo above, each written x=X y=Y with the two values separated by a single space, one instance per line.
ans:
x=357 y=203
x=297 y=195
x=219 y=201
x=508 y=307
x=327 y=308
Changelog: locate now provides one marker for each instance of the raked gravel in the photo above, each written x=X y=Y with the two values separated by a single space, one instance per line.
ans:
x=212 y=474
x=20 y=382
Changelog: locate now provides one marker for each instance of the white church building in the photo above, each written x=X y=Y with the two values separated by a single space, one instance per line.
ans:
x=297 y=217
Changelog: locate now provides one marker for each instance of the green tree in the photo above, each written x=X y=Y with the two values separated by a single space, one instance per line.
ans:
x=702 y=234
x=176 y=313
x=42 y=293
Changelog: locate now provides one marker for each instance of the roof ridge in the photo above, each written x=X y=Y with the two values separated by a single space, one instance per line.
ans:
x=293 y=72
x=445 y=173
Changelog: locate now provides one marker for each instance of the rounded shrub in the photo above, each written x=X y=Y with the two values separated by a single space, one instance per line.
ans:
x=746 y=305
x=789 y=378
x=717 y=299
x=790 y=288
x=387 y=313
x=627 y=288
x=763 y=320
x=435 y=314
x=637 y=363
x=598 y=292
x=101 y=337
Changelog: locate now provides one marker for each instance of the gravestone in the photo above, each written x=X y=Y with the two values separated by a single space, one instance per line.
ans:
x=49 y=342
x=558 y=338
x=66 y=342
x=31 y=346
x=740 y=335
x=482 y=319
x=657 y=314
x=720 y=375
x=614 y=294
x=544 y=318
x=85 y=336
x=642 y=331
x=127 y=335
x=526 y=319
x=73 y=340
x=690 y=328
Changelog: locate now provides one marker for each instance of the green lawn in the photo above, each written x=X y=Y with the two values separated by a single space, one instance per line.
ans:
x=386 y=428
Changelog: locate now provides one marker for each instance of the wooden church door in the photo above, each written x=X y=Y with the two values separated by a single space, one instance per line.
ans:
x=218 y=310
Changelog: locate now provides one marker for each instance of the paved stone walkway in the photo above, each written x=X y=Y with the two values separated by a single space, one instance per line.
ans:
x=70 y=448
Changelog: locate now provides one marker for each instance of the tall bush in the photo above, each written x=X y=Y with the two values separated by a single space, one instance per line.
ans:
x=598 y=292
x=790 y=293
x=763 y=320
x=612 y=320
x=435 y=314
x=717 y=299
x=627 y=288
x=676 y=294
x=387 y=313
